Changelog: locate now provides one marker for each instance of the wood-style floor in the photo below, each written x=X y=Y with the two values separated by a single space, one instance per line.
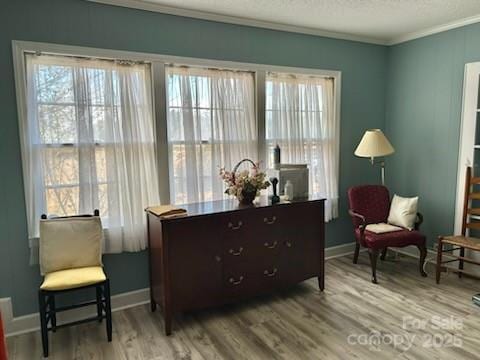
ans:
x=301 y=323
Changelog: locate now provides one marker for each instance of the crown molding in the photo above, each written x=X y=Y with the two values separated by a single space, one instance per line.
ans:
x=204 y=15
x=434 y=30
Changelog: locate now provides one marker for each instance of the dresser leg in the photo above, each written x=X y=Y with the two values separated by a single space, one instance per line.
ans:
x=168 y=323
x=321 y=282
x=153 y=305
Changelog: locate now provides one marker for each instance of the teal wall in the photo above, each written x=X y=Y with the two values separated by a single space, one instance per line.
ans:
x=77 y=22
x=423 y=115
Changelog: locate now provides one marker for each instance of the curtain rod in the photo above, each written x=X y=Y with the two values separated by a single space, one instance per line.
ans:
x=81 y=57
x=299 y=76
x=208 y=68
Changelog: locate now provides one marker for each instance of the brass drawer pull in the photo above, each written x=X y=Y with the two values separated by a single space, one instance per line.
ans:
x=288 y=243
x=218 y=258
x=236 y=253
x=270 y=273
x=233 y=227
x=269 y=222
x=236 y=282
x=272 y=245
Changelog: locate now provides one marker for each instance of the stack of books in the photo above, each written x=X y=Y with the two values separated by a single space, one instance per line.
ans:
x=166 y=211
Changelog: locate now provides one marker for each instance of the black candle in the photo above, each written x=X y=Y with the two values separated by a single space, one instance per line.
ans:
x=276 y=157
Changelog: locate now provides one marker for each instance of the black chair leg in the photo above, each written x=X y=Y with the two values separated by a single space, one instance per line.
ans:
x=357 y=251
x=108 y=309
x=42 y=305
x=373 y=254
x=52 y=312
x=460 y=262
x=98 y=290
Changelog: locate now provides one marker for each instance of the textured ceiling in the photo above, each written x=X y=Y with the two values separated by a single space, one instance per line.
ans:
x=384 y=20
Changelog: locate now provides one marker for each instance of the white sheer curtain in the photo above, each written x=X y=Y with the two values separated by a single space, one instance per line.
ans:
x=211 y=124
x=300 y=118
x=88 y=143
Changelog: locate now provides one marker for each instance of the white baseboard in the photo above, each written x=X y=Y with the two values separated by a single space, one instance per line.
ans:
x=432 y=258
x=333 y=252
x=412 y=251
x=6 y=310
x=28 y=323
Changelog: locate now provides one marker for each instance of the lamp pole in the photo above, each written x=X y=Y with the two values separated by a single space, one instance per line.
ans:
x=382 y=167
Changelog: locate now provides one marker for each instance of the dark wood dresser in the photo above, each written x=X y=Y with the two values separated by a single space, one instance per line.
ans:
x=222 y=252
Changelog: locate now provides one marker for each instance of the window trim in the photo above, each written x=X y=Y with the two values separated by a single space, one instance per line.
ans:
x=158 y=63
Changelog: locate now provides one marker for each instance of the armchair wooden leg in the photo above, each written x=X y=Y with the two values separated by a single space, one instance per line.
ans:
x=423 y=255
x=460 y=262
x=373 y=254
x=42 y=305
x=355 y=254
x=438 y=268
x=384 y=253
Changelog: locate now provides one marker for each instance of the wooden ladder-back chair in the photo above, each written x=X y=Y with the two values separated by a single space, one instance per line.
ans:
x=462 y=241
x=71 y=260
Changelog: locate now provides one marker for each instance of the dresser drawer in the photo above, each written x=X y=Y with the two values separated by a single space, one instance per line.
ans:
x=239 y=283
x=244 y=242
x=272 y=222
x=251 y=251
x=247 y=267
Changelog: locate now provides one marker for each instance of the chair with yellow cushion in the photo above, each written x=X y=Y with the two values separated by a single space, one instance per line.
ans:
x=71 y=259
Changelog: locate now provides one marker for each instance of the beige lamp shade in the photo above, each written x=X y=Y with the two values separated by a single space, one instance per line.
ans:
x=374 y=144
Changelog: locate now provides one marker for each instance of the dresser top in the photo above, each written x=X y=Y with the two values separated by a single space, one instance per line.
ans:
x=230 y=205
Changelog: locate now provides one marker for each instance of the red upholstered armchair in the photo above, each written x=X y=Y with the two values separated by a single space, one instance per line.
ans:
x=370 y=204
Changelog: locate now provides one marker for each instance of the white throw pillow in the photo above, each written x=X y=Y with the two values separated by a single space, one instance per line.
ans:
x=403 y=211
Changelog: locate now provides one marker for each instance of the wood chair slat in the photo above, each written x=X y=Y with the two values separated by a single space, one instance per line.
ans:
x=475 y=180
x=461 y=271
x=473 y=225
x=463 y=258
x=474 y=196
x=473 y=211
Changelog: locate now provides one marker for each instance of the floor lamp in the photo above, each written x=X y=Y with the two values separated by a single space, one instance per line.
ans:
x=374 y=144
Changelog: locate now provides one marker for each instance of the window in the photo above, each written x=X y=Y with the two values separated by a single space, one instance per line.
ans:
x=211 y=123
x=88 y=132
x=88 y=143
x=300 y=118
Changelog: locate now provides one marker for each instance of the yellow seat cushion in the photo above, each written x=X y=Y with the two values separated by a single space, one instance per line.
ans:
x=73 y=278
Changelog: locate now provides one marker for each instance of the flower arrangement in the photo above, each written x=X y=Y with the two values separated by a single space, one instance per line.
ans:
x=245 y=185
